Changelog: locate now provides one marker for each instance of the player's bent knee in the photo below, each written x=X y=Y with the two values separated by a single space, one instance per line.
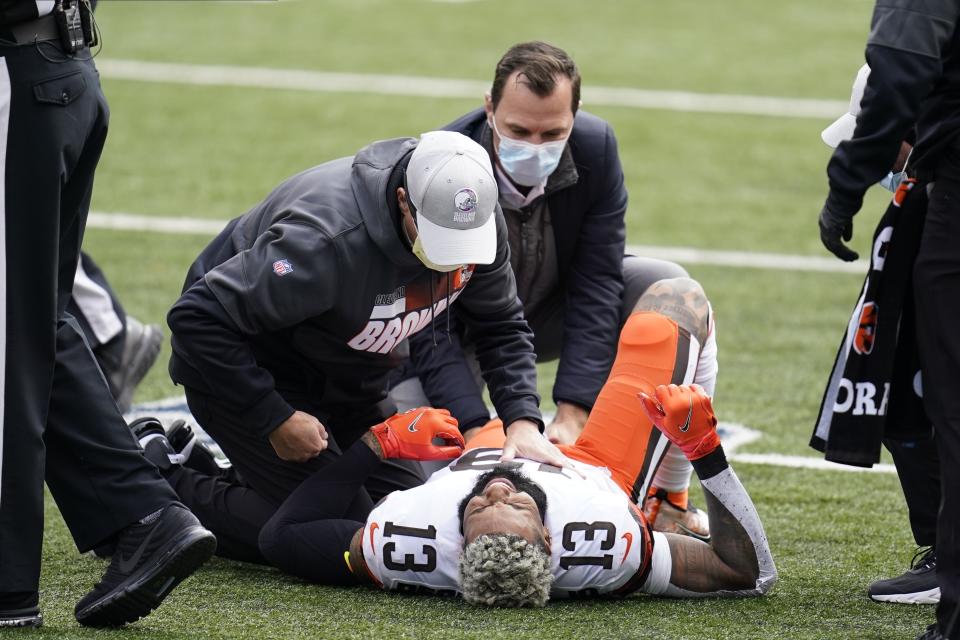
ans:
x=647 y=329
x=682 y=300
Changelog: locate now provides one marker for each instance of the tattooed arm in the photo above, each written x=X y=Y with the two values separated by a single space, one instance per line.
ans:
x=737 y=562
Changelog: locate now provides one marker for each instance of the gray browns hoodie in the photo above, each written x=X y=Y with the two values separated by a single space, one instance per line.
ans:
x=308 y=294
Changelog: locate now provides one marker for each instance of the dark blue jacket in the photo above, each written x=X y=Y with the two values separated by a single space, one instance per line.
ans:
x=588 y=225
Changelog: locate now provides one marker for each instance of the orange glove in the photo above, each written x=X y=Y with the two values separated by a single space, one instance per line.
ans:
x=410 y=435
x=685 y=415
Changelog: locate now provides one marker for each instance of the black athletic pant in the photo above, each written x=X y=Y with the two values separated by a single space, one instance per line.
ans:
x=58 y=418
x=918 y=467
x=936 y=280
x=236 y=512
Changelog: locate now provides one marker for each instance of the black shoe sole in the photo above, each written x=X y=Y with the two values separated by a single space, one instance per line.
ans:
x=143 y=593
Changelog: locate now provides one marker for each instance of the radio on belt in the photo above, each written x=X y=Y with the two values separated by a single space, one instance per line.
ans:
x=75 y=24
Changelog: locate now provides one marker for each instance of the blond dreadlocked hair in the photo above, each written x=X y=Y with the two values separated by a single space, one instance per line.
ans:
x=504 y=570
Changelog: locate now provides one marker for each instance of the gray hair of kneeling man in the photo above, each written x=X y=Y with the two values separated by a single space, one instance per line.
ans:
x=504 y=570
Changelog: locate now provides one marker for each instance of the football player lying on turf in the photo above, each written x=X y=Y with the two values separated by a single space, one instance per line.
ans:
x=515 y=533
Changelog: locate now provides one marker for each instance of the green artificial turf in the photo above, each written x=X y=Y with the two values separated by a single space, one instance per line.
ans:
x=730 y=182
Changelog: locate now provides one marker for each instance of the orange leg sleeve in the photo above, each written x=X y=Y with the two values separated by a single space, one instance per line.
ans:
x=653 y=350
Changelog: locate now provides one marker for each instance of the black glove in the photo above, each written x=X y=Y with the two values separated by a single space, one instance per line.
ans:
x=833 y=227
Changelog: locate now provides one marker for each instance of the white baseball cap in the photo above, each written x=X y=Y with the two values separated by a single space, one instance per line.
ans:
x=451 y=185
x=842 y=128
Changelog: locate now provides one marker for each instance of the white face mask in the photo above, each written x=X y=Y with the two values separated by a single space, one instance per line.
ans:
x=526 y=163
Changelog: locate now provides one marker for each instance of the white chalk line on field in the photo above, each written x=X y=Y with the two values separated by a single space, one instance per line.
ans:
x=424 y=86
x=734 y=435
x=682 y=255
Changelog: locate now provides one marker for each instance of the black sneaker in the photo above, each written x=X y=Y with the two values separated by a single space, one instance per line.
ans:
x=21 y=618
x=932 y=633
x=19 y=609
x=154 y=443
x=917 y=586
x=146 y=430
x=153 y=556
x=140 y=350
x=195 y=454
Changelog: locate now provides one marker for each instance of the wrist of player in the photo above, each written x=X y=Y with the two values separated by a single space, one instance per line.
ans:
x=710 y=464
x=373 y=444
x=702 y=448
x=391 y=447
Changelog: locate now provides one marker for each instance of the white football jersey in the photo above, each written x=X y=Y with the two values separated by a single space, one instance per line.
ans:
x=599 y=540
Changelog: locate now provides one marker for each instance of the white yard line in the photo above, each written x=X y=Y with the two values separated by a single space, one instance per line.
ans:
x=324 y=81
x=682 y=255
x=775 y=261
x=805 y=462
x=135 y=222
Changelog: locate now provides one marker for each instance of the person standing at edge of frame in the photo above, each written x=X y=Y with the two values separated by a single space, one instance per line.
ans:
x=914 y=55
x=58 y=420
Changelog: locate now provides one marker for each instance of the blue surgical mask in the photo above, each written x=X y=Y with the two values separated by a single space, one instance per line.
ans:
x=892 y=181
x=526 y=163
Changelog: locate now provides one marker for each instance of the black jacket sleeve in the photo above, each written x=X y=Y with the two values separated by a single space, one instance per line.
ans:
x=904 y=51
x=214 y=320
x=594 y=283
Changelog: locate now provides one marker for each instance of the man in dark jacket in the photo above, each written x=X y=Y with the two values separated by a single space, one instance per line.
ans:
x=286 y=329
x=914 y=60
x=563 y=195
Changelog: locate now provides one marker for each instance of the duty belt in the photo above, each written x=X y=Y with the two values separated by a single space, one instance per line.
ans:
x=40 y=30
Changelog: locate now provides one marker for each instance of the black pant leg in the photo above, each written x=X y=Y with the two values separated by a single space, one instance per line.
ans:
x=918 y=467
x=33 y=165
x=937 y=290
x=271 y=479
x=233 y=512
x=54 y=118
x=390 y=475
x=95 y=470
